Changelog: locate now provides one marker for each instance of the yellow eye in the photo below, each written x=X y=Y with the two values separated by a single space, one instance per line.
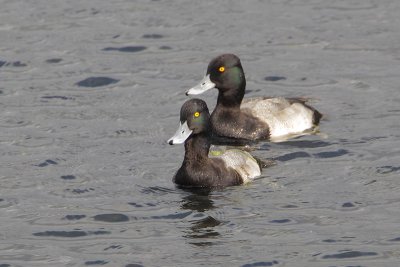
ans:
x=221 y=69
x=196 y=114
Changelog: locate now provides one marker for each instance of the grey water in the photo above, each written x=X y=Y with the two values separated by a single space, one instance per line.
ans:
x=91 y=90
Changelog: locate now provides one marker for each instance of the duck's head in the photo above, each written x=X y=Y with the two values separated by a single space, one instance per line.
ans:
x=225 y=73
x=194 y=119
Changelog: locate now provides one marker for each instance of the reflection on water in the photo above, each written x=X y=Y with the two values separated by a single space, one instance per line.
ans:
x=199 y=200
x=203 y=226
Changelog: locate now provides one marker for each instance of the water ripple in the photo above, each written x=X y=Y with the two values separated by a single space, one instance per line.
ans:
x=96 y=81
x=349 y=254
x=112 y=217
x=129 y=49
x=260 y=264
x=8 y=121
x=70 y=234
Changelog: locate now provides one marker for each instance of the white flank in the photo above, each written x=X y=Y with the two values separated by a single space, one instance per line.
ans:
x=282 y=117
x=242 y=162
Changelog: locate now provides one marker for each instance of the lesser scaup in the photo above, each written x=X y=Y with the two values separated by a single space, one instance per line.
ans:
x=261 y=118
x=199 y=169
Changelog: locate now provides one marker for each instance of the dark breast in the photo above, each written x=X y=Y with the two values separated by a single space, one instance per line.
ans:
x=212 y=173
x=239 y=125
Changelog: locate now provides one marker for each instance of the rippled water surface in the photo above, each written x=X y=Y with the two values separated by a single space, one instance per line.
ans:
x=91 y=90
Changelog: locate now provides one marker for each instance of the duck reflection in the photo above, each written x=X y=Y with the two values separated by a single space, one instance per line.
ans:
x=198 y=200
x=202 y=227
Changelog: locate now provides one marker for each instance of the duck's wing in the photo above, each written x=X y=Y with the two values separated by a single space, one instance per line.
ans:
x=317 y=116
x=241 y=161
x=267 y=104
x=285 y=116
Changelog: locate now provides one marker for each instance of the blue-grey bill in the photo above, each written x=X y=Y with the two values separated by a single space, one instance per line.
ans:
x=205 y=85
x=181 y=134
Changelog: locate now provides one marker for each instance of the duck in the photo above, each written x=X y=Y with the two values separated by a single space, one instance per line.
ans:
x=203 y=169
x=273 y=119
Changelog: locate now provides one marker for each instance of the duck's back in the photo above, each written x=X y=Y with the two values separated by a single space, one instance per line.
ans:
x=283 y=116
x=242 y=162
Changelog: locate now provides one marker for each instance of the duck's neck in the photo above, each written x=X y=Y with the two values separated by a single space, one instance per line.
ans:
x=197 y=148
x=232 y=96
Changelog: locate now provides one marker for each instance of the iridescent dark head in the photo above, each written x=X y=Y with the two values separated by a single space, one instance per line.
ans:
x=194 y=119
x=195 y=112
x=225 y=73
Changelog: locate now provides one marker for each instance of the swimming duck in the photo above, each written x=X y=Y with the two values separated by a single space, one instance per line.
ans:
x=199 y=168
x=260 y=118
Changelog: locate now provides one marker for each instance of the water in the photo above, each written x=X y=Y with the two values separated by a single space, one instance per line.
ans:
x=91 y=91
